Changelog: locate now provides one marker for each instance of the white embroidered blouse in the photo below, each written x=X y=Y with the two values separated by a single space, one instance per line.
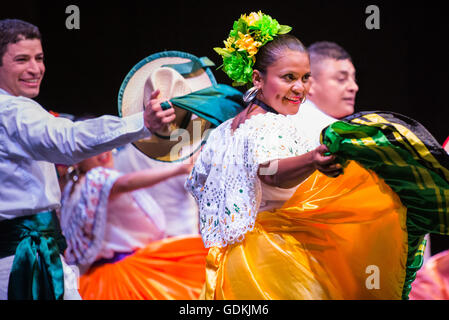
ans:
x=96 y=226
x=224 y=180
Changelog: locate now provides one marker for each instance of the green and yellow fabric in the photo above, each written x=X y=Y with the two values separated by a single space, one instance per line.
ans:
x=410 y=161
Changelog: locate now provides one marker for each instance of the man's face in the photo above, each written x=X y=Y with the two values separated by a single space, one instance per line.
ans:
x=23 y=68
x=334 y=87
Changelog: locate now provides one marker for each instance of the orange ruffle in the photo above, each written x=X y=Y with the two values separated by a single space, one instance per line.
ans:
x=336 y=238
x=168 y=269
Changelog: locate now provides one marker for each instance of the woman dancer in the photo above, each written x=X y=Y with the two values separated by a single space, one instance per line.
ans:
x=276 y=227
x=116 y=236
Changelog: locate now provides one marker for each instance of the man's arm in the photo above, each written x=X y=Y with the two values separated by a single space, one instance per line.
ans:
x=29 y=131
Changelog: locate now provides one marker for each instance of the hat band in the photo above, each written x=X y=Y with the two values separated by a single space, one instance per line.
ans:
x=192 y=66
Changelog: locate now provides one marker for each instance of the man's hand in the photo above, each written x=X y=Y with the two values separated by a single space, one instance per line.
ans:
x=154 y=118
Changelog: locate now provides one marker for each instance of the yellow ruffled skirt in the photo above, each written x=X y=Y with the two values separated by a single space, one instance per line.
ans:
x=336 y=238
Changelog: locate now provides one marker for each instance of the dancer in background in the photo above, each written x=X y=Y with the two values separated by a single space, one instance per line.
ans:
x=332 y=92
x=333 y=87
x=116 y=235
x=32 y=141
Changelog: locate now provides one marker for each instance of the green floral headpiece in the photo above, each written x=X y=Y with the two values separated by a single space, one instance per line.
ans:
x=248 y=34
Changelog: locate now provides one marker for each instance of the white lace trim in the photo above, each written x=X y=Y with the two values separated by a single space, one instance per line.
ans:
x=224 y=179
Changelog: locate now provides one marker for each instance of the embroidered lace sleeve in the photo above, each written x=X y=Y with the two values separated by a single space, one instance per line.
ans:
x=224 y=179
x=83 y=216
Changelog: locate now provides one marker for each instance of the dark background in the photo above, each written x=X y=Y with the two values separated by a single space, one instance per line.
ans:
x=401 y=67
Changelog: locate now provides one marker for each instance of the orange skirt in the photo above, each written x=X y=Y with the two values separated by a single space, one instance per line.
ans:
x=335 y=238
x=167 y=269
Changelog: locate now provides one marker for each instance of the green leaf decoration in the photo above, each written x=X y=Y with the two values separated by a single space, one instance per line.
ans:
x=222 y=52
x=241 y=26
x=284 y=29
x=243 y=43
x=238 y=84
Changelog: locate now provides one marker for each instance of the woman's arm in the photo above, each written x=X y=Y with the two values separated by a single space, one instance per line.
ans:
x=289 y=172
x=147 y=178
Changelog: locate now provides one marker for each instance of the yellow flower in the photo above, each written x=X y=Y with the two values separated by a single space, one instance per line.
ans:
x=252 y=18
x=228 y=44
x=247 y=43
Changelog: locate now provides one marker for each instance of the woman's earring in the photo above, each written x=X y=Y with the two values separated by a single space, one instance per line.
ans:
x=303 y=100
x=250 y=94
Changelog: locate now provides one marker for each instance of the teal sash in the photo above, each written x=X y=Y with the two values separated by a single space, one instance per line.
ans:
x=215 y=104
x=36 y=241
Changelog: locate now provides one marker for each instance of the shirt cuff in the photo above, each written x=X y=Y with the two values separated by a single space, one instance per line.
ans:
x=135 y=123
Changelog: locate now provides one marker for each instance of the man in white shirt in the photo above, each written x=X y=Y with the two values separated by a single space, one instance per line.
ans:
x=31 y=141
x=333 y=88
x=332 y=93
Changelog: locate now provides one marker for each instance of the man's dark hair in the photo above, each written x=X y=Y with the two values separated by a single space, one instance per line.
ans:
x=322 y=50
x=325 y=50
x=14 y=30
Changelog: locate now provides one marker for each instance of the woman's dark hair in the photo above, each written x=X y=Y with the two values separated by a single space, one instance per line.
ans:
x=273 y=50
x=14 y=30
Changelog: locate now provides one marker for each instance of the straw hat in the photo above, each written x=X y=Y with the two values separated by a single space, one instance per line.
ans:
x=175 y=74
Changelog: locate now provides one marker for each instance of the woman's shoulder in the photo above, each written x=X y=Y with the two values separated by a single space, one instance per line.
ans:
x=275 y=136
x=218 y=134
x=266 y=123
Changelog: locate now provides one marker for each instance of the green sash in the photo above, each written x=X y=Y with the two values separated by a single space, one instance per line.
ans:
x=36 y=241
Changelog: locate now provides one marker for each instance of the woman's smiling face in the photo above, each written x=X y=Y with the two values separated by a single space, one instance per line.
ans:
x=285 y=83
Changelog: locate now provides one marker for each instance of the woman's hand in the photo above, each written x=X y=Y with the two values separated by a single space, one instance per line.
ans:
x=290 y=172
x=325 y=164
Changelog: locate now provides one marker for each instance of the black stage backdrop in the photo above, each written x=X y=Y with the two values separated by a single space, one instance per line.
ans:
x=401 y=67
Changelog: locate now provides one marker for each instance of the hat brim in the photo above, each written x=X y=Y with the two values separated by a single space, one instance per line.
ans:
x=134 y=91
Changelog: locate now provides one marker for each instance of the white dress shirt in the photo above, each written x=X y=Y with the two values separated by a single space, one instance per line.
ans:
x=32 y=140
x=312 y=120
